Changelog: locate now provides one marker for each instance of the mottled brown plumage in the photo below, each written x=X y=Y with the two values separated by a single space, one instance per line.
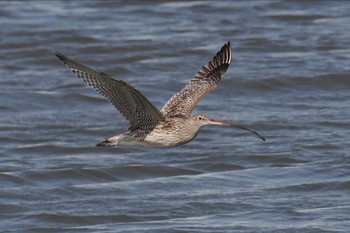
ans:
x=140 y=113
x=183 y=102
x=173 y=124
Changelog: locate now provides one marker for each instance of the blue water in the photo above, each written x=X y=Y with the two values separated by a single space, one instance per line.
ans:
x=288 y=79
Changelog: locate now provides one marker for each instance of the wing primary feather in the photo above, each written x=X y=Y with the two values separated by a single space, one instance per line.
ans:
x=134 y=106
x=182 y=103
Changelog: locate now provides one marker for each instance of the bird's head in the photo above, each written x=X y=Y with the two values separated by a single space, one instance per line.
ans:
x=201 y=120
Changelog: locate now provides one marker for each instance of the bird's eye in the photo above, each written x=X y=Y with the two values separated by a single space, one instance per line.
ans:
x=200 y=118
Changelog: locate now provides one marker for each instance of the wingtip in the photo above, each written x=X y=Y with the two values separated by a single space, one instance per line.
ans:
x=226 y=51
x=228 y=44
x=59 y=55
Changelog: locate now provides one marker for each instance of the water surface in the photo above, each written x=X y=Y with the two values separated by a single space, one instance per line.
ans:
x=289 y=79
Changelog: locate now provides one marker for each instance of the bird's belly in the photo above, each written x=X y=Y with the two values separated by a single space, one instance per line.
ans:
x=167 y=139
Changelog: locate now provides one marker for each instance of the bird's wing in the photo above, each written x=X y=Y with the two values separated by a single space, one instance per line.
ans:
x=140 y=113
x=183 y=102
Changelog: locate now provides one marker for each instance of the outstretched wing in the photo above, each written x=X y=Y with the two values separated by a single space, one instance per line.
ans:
x=183 y=102
x=140 y=113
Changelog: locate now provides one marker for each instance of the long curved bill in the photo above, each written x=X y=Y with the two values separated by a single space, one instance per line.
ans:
x=224 y=123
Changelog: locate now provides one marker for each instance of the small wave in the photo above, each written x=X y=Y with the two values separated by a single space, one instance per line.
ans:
x=295 y=83
x=80 y=219
x=290 y=16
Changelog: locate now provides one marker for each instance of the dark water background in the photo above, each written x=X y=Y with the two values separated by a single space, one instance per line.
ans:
x=289 y=79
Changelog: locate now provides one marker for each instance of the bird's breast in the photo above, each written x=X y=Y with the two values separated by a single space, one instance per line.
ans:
x=171 y=132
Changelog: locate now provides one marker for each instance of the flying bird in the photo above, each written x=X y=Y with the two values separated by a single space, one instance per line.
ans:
x=171 y=126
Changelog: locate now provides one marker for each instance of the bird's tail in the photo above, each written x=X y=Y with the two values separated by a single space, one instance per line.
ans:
x=111 y=141
x=105 y=143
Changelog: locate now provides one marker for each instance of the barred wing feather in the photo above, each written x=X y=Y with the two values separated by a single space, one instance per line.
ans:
x=207 y=78
x=140 y=113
